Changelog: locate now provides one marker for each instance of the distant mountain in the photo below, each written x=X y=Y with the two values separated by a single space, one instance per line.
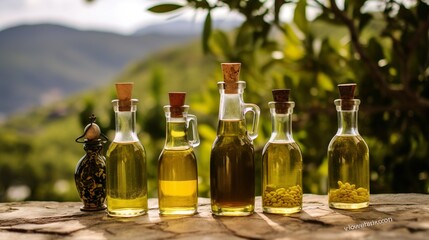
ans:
x=44 y=63
x=172 y=28
x=182 y=27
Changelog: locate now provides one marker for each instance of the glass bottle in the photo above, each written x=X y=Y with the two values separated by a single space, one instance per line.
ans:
x=348 y=156
x=90 y=173
x=232 y=166
x=177 y=165
x=126 y=160
x=281 y=160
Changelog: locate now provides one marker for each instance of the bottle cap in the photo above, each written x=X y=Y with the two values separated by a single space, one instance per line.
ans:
x=231 y=74
x=281 y=95
x=92 y=132
x=124 y=92
x=177 y=101
x=347 y=93
x=281 y=98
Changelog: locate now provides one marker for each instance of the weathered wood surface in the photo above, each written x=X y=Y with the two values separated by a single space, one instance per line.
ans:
x=409 y=215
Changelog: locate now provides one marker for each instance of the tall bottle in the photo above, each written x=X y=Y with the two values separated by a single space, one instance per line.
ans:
x=232 y=166
x=348 y=156
x=177 y=165
x=281 y=160
x=126 y=160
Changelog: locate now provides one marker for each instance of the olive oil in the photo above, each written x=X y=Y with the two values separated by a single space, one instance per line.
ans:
x=348 y=158
x=232 y=165
x=232 y=171
x=281 y=160
x=126 y=183
x=178 y=185
x=177 y=165
x=282 y=179
x=126 y=160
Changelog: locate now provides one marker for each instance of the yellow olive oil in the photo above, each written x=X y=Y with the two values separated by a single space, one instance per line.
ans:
x=282 y=178
x=232 y=171
x=177 y=182
x=126 y=179
x=348 y=158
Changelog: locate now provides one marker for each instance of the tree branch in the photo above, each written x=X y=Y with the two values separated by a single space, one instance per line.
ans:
x=403 y=93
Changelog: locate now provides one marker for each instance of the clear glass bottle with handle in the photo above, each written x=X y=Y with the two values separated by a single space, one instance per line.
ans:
x=177 y=165
x=126 y=160
x=348 y=156
x=232 y=166
x=281 y=160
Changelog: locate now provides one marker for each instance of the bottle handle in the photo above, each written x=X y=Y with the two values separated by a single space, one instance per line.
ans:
x=250 y=107
x=191 y=121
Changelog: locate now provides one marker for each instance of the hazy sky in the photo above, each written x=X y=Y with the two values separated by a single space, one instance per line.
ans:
x=123 y=16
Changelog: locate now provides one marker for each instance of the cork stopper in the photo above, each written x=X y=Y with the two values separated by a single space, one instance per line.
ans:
x=281 y=98
x=281 y=95
x=347 y=93
x=177 y=101
x=124 y=92
x=231 y=74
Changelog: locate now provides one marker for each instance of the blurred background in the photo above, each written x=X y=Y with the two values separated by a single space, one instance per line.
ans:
x=59 y=60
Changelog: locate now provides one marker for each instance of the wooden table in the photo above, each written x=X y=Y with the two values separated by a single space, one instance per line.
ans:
x=392 y=216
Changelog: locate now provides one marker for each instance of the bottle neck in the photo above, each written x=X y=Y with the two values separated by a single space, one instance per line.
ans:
x=176 y=134
x=230 y=107
x=93 y=146
x=125 y=122
x=231 y=102
x=281 y=123
x=347 y=113
x=231 y=128
x=231 y=117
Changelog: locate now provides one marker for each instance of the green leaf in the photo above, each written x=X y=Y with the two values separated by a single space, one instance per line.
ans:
x=407 y=15
x=219 y=44
x=365 y=18
x=207 y=32
x=164 y=8
x=244 y=37
x=299 y=16
x=422 y=10
x=325 y=82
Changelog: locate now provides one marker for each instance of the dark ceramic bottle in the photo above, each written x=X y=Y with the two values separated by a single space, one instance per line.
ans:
x=90 y=173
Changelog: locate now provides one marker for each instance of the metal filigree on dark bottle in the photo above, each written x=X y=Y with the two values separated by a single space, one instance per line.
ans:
x=90 y=173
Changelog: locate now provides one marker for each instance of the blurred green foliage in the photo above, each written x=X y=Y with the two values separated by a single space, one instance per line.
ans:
x=383 y=46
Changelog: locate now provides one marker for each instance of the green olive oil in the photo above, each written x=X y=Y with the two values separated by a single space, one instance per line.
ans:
x=126 y=183
x=348 y=158
x=281 y=160
x=282 y=178
x=177 y=184
x=177 y=164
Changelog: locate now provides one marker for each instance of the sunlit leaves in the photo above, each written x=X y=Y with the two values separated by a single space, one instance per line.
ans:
x=164 y=8
x=219 y=45
x=207 y=30
x=325 y=82
x=299 y=17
